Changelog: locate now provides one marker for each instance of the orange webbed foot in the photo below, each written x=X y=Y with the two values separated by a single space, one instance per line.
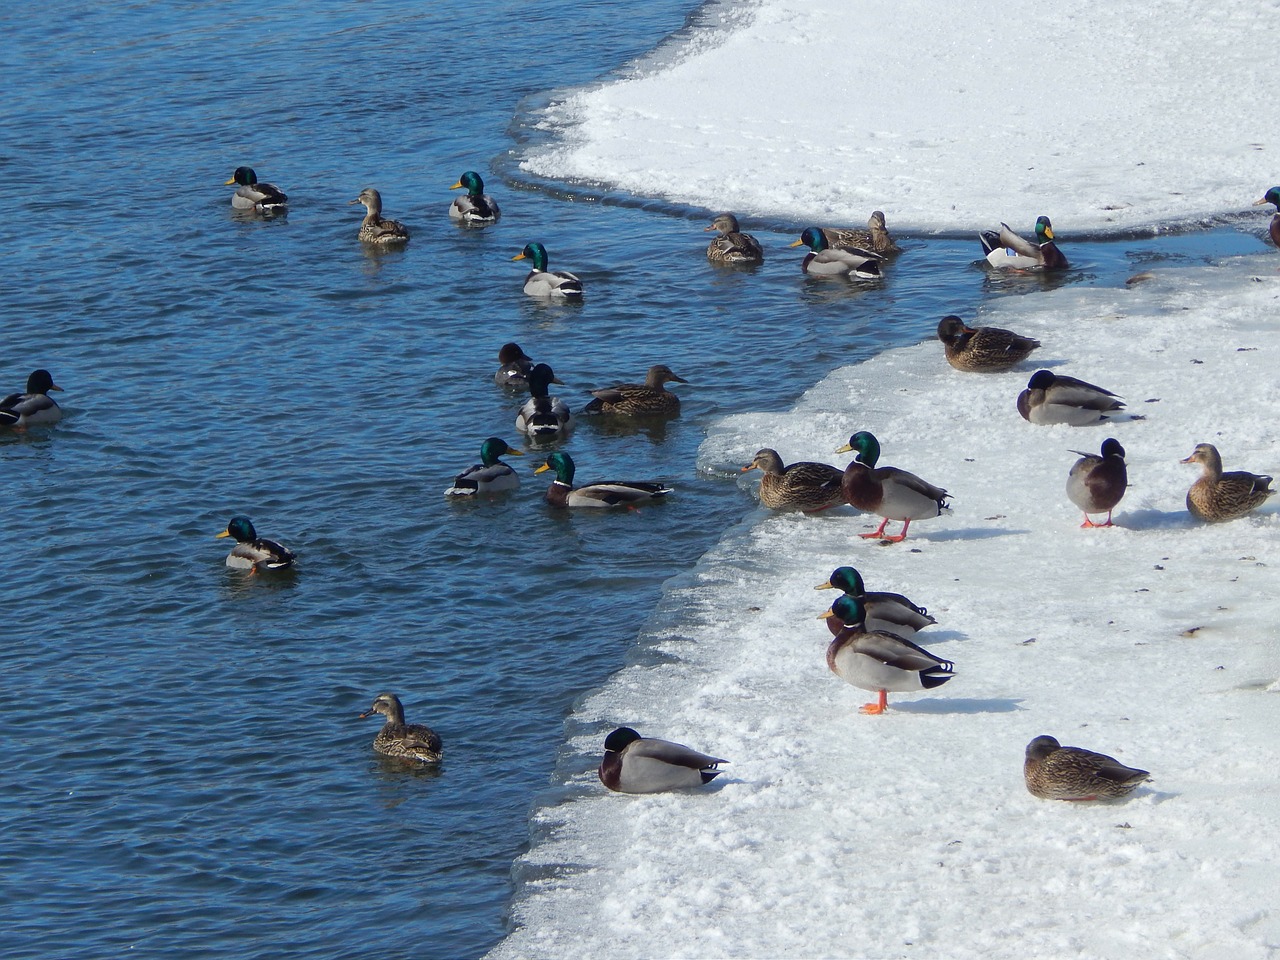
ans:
x=871 y=708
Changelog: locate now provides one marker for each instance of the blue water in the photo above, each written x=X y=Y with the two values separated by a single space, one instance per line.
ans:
x=184 y=770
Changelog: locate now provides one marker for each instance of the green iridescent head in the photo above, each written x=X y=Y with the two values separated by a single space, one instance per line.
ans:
x=471 y=182
x=865 y=447
x=535 y=252
x=493 y=448
x=849 y=580
x=562 y=464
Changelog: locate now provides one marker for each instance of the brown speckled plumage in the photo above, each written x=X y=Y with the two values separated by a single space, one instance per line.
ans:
x=1218 y=496
x=648 y=399
x=1055 y=772
x=804 y=485
x=405 y=741
x=875 y=237
x=732 y=245
x=982 y=349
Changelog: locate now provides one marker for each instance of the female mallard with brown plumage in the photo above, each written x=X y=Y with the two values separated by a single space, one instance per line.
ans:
x=414 y=742
x=376 y=228
x=887 y=491
x=1055 y=772
x=982 y=349
x=879 y=661
x=648 y=399
x=1097 y=481
x=804 y=485
x=602 y=493
x=1005 y=250
x=1218 y=496
x=732 y=245
x=1273 y=230
x=875 y=238
x=891 y=612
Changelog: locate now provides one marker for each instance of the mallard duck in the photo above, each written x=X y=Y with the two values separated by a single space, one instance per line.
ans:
x=875 y=238
x=1272 y=196
x=804 y=485
x=982 y=349
x=543 y=416
x=252 y=195
x=890 y=612
x=1097 y=482
x=475 y=207
x=887 y=491
x=376 y=228
x=648 y=399
x=542 y=283
x=1055 y=772
x=1219 y=496
x=603 y=493
x=1005 y=250
x=732 y=245
x=35 y=406
x=1055 y=399
x=514 y=367
x=490 y=475
x=879 y=661
x=636 y=764
x=405 y=741
x=253 y=552
x=852 y=263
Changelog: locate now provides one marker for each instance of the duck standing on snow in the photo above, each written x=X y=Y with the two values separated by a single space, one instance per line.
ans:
x=879 y=661
x=636 y=764
x=404 y=741
x=648 y=399
x=890 y=612
x=602 y=493
x=1055 y=772
x=475 y=207
x=804 y=485
x=1050 y=398
x=887 y=491
x=543 y=417
x=490 y=475
x=732 y=245
x=875 y=238
x=252 y=195
x=253 y=552
x=513 y=367
x=376 y=228
x=35 y=406
x=1005 y=250
x=1217 y=496
x=851 y=263
x=541 y=282
x=1097 y=482
x=1273 y=230
x=982 y=349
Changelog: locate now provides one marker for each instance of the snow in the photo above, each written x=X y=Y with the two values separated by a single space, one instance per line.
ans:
x=1105 y=116
x=911 y=834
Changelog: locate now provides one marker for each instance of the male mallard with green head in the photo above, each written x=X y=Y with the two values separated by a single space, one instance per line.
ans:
x=850 y=263
x=887 y=491
x=253 y=195
x=475 y=207
x=1052 y=398
x=1273 y=229
x=602 y=493
x=35 y=406
x=541 y=282
x=636 y=764
x=253 y=552
x=1005 y=250
x=490 y=475
x=891 y=612
x=1097 y=481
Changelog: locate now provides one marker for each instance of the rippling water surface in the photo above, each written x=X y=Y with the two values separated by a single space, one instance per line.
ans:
x=184 y=771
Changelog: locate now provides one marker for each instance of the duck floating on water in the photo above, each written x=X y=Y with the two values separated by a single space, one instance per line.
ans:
x=252 y=195
x=1051 y=398
x=732 y=245
x=413 y=742
x=1055 y=772
x=875 y=238
x=1097 y=481
x=982 y=349
x=890 y=612
x=887 y=491
x=1217 y=497
x=540 y=282
x=544 y=417
x=850 y=263
x=513 y=367
x=648 y=399
x=1005 y=250
x=636 y=764
x=377 y=229
x=602 y=493
x=475 y=207
x=35 y=406
x=253 y=552
x=803 y=485
x=490 y=475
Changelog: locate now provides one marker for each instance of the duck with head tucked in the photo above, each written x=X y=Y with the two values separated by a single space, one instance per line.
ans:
x=602 y=493
x=541 y=282
x=253 y=552
x=890 y=612
x=1055 y=772
x=475 y=208
x=875 y=238
x=1005 y=250
x=648 y=399
x=877 y=660
x=1273 y=229
x=732 y=245
x=412 y=742
x=1097 y=481
x=1051 y=398
x=375 y=228
x=982 y=349
x=33 y=407
x=253 y=195
x=513 y=367
x=544 y=417
x=849 y=263
x=803 y=485
x=887 y=491
x=636 y=764
x=490 y=475
x=1217 y=497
